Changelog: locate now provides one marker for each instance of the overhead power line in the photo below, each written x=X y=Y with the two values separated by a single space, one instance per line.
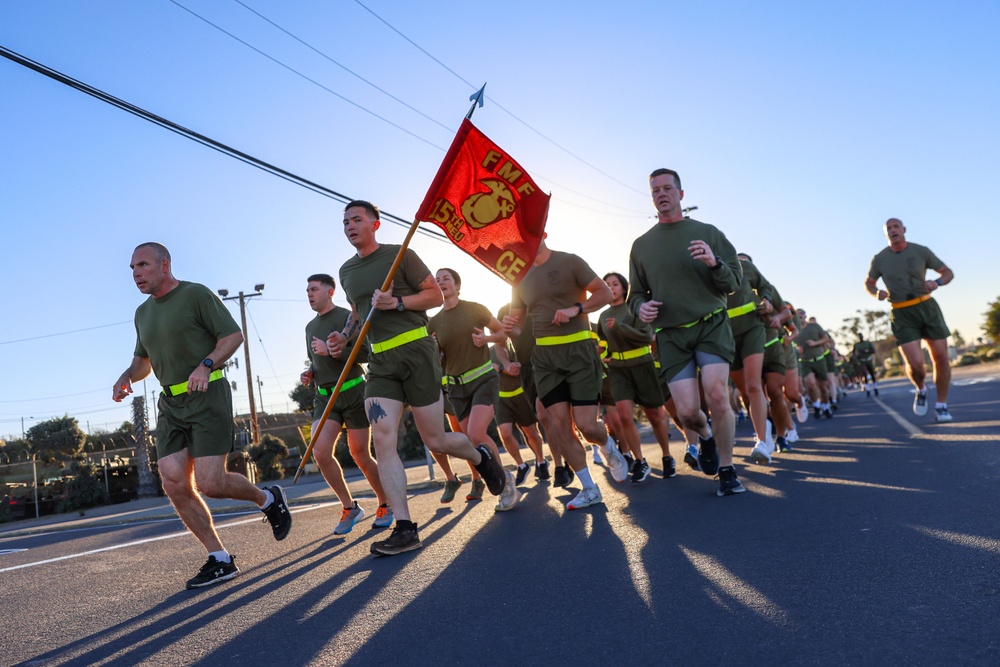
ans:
x=201 y=138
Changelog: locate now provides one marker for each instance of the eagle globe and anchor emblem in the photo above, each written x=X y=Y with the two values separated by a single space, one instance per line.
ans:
x=485 y=208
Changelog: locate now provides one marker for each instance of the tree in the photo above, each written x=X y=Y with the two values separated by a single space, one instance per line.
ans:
x=956 y=339
x=303 y=397
x=992 y=324
x=57 y=437
x=267 y=455
x=874 y=324
x=86 y=488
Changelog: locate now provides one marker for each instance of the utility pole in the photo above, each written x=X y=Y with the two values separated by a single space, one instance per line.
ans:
x=243 y=298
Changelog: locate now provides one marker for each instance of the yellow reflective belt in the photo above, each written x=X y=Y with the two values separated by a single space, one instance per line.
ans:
x=562 y=340
x=742 y=310
x=401 y=339
x=178 y=389
x=347 y=385
x=631 y=354
x=468 y=376
x=911 y=302
x=702 y=319
x=512 y=393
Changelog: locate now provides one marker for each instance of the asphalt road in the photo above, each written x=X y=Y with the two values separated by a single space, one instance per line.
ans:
x=876 y=542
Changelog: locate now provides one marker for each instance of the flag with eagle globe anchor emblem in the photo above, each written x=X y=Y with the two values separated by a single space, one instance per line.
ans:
x=487 y=204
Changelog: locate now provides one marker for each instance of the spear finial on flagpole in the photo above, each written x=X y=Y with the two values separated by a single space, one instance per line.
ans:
x=477 y=100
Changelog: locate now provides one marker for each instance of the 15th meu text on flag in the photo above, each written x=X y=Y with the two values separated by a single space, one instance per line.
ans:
x=487 y=204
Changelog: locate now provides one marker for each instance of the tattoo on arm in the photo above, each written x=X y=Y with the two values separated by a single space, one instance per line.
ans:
x=352 y=327
x=375 y=412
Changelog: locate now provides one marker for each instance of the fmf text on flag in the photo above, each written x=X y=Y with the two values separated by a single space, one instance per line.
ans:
x=487 y=204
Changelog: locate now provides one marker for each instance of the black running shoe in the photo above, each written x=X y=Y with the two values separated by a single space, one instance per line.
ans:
x=691 y=460
x=708 y=455
x=401 y=541
x=214 y=572
x=561 y=478
x=522 y=474
x=669 y=467
x=542 y=471
x=277 y=513
x=629 y=460
x=729 y=483
x=827 y=413
x=640 y=471
x=781 y=444
x=817 y=413
x=491 y=470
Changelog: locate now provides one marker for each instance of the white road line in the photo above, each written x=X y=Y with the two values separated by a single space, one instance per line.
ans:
x=910 y=428
x=145 y=541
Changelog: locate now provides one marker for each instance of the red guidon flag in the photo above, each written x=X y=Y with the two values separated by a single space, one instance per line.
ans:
x=487 y=204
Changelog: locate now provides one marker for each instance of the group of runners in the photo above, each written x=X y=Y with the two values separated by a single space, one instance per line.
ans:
x=691 y=320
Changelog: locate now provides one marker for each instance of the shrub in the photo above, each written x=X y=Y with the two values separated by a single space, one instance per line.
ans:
x=85 y=488
x=267 y=455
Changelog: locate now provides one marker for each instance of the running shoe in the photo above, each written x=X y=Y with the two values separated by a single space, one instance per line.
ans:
x=476 y=493
x=802 y=411
x=509 y=496
x=761 y=453
x=708 y=455
x=691 y=457
x=827 y=413
x=451 y=487
x=401 y=541
x=563 y=477
x=781 y=444
x=792 y=436
x=597 y=454
x=491 y=470
x=542 y=471
x=214 y=572
x=817 y=411
x=590 y=495
x=920 y=403
x=616 y=464
x=383 y=517
x=941 y=415
x=348 y=517
x=670 y=467
x=277 y=513
x=729 y=483
x=522 y=474
x=640 y=471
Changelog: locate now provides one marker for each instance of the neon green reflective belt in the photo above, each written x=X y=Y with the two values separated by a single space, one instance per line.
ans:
x=742 y=310
x=700 y=319
x=354 y=382
x=178 y=389
x=401 y=339
x=469 y=376
x=512 y=393
x=568 y=338
x=772 y=341
x=631 y=354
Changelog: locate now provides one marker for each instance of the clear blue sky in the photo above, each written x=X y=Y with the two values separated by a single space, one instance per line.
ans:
x=798 y=128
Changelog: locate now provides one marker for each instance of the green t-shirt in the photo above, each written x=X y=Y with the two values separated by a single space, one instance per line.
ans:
x=361 y=276
x=778 y=303
x=179 y=329
x=628 y=333
x=558 y=283
x=864 y=350
x=811 y=331
x=524 y=343
x=904 y=272
x=662 y=269
x=507 y=382
x=326 y=369
x=453 y=329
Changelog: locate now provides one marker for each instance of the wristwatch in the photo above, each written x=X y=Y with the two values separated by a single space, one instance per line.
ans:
x=208 y=363
x=579 y=307
x=399 y=304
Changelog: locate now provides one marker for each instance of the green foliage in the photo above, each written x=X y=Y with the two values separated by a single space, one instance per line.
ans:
x=267 y=455
x=992 y=324
x=967 y=360
x=57 y=437
x=956 y=339
x=303 y=397
x=85 y=488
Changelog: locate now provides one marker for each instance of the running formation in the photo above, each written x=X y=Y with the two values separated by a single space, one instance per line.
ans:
x=694 y=333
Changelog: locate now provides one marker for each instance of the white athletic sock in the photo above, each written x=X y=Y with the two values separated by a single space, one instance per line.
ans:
x=940 y=405
x=817 y=404
x=268 y=499
x=221 y=556
x=585 y=478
